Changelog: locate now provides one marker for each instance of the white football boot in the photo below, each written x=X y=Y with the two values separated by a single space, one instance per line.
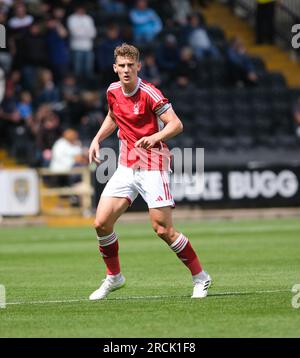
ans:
x=111 y=283
x=202 y=281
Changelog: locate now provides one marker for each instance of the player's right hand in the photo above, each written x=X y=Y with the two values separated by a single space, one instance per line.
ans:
x=94 y=152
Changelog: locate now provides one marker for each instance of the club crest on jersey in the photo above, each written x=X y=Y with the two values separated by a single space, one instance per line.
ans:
x=136 y=108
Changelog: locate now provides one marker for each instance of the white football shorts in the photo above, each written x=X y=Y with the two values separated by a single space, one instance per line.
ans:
x=153 y=185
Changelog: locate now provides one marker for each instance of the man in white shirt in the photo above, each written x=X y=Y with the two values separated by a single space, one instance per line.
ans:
x=66 y=152
x=82 y=32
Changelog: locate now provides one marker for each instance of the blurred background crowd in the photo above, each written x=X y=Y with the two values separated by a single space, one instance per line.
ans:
x=57 y=65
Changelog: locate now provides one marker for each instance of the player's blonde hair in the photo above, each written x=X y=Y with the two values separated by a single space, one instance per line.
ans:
x=126 y=50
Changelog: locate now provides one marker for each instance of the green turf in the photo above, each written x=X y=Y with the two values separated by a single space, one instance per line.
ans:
x=254 y=265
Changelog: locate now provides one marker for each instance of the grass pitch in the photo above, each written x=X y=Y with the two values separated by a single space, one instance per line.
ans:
x=49 y=273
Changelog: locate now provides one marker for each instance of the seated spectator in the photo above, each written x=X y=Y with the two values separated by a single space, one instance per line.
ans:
x=146 y=23
x=69 y=89
x=48 y=92
x=67 y=153
x=150 y=71
x=25 y=106
x=196 y=36
x=241 y=68
x=296 y=114
x=82 y=32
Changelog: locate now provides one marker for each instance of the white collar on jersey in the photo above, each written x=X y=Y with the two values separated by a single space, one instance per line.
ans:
x=134 y=91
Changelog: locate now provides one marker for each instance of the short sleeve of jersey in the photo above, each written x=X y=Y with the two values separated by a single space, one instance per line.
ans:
x=158 y=102
x=110 y=99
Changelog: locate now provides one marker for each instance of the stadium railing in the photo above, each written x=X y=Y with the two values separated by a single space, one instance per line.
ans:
x=82 y=189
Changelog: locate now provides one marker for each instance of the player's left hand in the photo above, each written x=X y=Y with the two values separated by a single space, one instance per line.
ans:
x=146 y=142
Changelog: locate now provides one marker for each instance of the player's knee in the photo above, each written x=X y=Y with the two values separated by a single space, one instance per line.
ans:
x=102 y=227
x=162 y=231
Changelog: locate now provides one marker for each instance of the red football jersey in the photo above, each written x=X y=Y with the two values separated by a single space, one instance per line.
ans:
x=137 y=115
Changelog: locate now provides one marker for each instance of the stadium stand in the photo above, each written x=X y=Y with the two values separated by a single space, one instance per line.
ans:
x=236 y=120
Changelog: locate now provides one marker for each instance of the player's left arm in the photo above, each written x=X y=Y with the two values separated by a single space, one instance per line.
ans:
x=173 y=126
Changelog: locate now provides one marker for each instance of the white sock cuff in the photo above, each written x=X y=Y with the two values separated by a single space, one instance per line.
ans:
x=179 y=244
x=107 y=240
x=202 y=276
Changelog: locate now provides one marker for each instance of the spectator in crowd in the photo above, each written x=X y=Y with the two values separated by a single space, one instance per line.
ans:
x=105 y=53
x=88 y=124
x=20 y=20
x=82 y=32
x=197 y=38
x=34 y=55
x=150 y=71
x=181 y=10
x=112 y=7
x=167 y=55
x=48 y=92
x=56 y=39
x=6 y=5
x=90 y=115
x=296 y=114
x=265 y=12
x=146 y=23
x=59 y=13
x=24 y=106
x=47 y=129
x=241 y=67
x=13 y=82
x=9 y=116
x=182 y=84
x=66 y=8
x=18 y=25
x=5 y=55
x=70 y=89
x=67 y=153
x=2 y=84
x=16 y=122
x=187 y=64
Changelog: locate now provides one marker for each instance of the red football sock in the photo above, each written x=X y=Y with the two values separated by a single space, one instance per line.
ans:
x=183 y=249
x=109 y=247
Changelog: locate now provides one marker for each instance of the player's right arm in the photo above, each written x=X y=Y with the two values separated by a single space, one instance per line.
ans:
x=107 y=128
